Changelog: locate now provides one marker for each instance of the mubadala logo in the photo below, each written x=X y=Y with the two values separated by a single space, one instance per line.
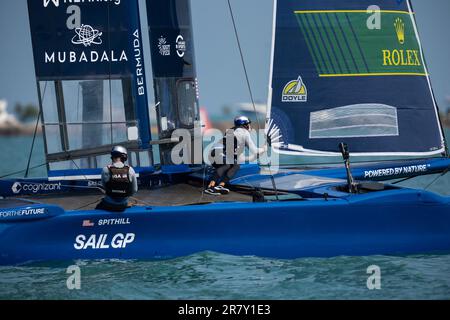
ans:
x=86 y=35
x=18 y=187
x=295 y=91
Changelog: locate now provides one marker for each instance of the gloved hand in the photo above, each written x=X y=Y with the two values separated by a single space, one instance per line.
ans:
x=269 y=140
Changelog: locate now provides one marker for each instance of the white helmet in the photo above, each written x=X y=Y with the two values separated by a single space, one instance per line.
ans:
x=241 y=121
x=119 y=151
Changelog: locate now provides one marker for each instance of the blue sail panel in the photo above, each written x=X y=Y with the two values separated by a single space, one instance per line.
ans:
x=174 y=71
x=171 y=38
x=351 y=71
x=84 y=39
x=89 y=65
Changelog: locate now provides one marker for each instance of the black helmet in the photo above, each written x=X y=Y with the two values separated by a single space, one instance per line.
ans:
x=119 y=151
x=241 y=121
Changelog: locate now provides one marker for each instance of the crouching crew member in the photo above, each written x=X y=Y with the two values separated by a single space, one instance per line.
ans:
x=119 y=181
x=231 y=159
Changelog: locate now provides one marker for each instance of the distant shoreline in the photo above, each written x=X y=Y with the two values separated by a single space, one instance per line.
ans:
x=19 y=130
x=445 y=118
x=28 y=129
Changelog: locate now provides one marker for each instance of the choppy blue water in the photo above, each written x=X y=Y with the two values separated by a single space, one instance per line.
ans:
x=218 y=276
x=15 y=152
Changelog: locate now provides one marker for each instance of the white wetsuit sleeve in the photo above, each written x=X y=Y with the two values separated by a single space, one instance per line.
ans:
x=105 y=176
x=254 y=151
x=251 y=145
x=134 y=186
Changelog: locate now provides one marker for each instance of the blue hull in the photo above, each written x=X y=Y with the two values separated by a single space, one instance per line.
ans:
x=400 y=221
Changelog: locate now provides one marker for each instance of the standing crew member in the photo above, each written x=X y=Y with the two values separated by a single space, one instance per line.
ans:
x=119 y=181
x=231 y=159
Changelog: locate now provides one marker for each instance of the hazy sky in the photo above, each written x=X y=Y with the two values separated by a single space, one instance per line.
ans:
x=219 y=68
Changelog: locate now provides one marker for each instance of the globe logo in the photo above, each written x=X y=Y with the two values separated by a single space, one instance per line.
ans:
x=86 y=35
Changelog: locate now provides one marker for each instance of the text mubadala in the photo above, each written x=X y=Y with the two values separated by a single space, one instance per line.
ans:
x=90 y=57
x=102 y=241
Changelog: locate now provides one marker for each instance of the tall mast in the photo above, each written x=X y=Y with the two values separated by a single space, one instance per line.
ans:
x=174 y=72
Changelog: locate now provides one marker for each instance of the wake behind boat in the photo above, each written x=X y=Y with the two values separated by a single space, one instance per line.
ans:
x=337 y=70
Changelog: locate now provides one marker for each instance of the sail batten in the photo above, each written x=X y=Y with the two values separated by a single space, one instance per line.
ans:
x=351 y=71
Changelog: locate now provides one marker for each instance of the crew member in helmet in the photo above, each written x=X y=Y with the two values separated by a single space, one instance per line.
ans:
x=119 y=181
x=231 y=159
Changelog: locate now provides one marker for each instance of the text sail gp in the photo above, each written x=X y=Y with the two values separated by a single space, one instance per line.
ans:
x=103 y=241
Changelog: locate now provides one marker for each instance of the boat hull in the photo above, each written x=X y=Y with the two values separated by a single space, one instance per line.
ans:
x=390 y=222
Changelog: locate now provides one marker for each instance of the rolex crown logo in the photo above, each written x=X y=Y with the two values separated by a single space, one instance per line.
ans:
x=400 y=30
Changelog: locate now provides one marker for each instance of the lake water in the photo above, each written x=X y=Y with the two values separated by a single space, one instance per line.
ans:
x=211 y=275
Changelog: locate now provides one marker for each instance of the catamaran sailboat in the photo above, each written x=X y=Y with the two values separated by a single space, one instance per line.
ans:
x=348 y=79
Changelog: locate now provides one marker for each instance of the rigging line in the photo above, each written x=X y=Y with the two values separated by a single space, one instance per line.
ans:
x=405 y=179
x=89 y=204
x=437 y=178
x=248 y=83
x=243 y=62
x=89 y=122
x=34 y=135
x=440 y=123
x=78 y=101
x=255 y=188
x=32 y=145
x=85 y=177
x=84 y=187
x=110 y=71
x=203 y=184
x=141 y=201
x=443 y=173
x=17 y=172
